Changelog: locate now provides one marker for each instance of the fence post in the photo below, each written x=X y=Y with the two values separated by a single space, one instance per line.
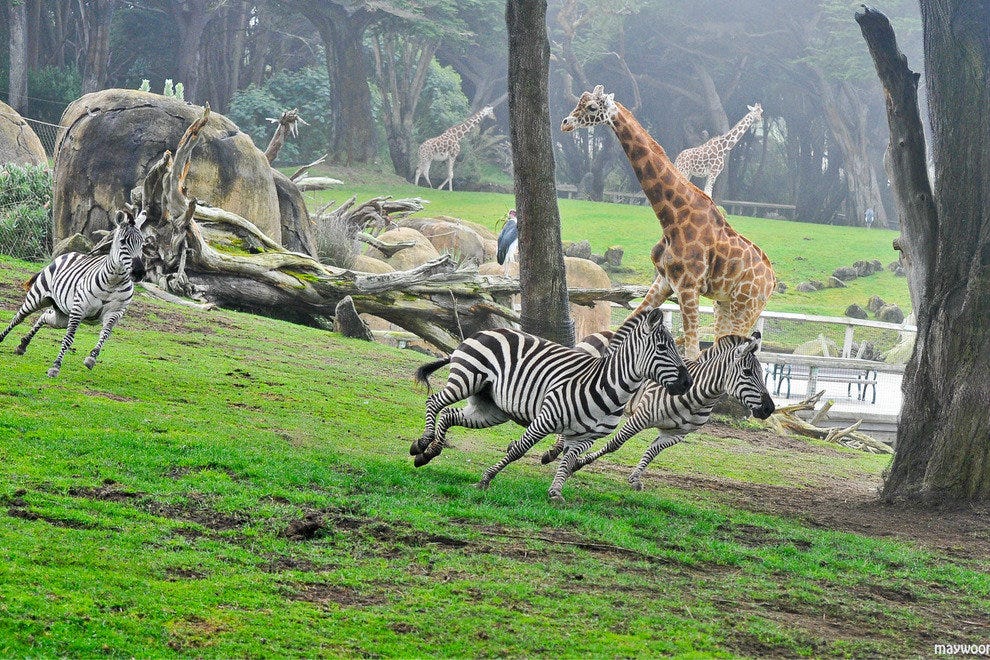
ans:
x=848 y=343
x=812 y=380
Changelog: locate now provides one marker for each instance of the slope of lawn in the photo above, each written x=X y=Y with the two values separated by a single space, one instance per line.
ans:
x=799 y=251
x=225 y=485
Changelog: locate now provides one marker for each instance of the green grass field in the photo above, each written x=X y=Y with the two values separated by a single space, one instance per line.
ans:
x=225 y=485
x=799 y=251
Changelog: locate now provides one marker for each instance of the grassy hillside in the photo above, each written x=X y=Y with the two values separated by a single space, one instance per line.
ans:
x=224 y=485
x=799 y=251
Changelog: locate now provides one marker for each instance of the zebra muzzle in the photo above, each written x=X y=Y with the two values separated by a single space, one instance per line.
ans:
x=137 y=269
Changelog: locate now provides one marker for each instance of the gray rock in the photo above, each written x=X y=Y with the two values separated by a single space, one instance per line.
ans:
x=580 y=249
x=73 y=243
x=875 y=303
x=890 y=314
x=845 y=273
x=856 y=312
x=613 y=256
x=806 y=287
x=834 y=283
x=781 y=287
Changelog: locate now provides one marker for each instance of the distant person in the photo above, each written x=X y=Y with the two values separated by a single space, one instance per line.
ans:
x=869 y=217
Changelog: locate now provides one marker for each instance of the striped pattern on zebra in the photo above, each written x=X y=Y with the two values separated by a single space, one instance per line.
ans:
x=510 y=375
x=729 y=366
x=80 y=287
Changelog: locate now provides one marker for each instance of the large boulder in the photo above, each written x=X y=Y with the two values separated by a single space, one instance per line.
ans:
x=856 y=312
x=890 y=314
x=18 y=142
x=585 y=274
x=114 y=136
x=846 y=273
x=410 y=257
x=453 y=238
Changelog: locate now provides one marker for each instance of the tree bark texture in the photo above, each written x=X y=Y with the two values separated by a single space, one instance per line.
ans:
x=943 y=440
x=545 y=311
x=191 y=18
x=96 y=18
x=17 y=42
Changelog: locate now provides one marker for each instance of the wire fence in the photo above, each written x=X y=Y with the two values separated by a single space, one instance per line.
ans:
x=47 y=133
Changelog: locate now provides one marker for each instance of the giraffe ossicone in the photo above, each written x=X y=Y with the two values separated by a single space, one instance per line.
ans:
x=699 y=253
x=447 y=146
x=709 y=159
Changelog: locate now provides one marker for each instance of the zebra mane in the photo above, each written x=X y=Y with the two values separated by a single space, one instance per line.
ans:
x=631 y=324
x=721 y=346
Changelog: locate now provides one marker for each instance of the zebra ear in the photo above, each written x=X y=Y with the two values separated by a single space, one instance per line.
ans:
x=749 y=347
x=655 y=316
x=119 y=217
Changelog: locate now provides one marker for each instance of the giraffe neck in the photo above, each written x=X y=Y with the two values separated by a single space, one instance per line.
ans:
x=460 y=130
x=664 y=185
x=736 y=132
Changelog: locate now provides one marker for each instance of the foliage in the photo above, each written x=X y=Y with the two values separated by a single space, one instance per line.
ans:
x=52 y=89
x=306 y=89
x=25 y=212
x=225 y=485
x=443 y=103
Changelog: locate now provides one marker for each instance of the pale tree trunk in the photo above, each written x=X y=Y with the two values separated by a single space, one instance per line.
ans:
x=18 y=39
x=401 y=67
x=545 y=310
x=716 y=115
x=96 y=18
x=943 y=439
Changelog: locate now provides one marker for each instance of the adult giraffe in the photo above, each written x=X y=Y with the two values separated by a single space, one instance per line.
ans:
x=447 y=146
x=699 y=253
x=708 y=160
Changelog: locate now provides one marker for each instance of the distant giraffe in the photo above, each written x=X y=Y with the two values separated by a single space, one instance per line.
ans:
x=699 y=253
x=447 y=146
x=708 y=159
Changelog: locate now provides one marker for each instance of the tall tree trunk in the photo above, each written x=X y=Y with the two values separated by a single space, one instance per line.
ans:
x=96 y=18
x=545 y=310
x=943 y=439
x=18 y=39
x=191 y=18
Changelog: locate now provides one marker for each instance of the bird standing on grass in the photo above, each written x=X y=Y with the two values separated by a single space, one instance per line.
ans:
x=508 y=242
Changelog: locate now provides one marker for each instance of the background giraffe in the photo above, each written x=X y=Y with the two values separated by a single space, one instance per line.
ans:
x=447 y=146
x=708 y=160
x=699 y=253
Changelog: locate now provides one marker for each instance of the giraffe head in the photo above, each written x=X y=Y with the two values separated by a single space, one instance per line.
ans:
x=487 y=111
x=756 y=111
x=595 y=107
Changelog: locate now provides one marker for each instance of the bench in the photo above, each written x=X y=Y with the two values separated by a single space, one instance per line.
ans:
x=782 y=372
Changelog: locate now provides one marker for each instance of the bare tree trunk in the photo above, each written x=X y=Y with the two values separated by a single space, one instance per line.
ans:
x=545 y=310
x=943 y=439
x=96 y=18
x=18 y=39
x=191 y=18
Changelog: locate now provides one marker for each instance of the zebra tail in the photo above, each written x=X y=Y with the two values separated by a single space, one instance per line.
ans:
x=423 y=373
x=27 y=285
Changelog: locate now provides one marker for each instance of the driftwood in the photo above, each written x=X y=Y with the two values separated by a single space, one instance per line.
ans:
x=212 y=255
x=287 y=125
x=301 y=172
x=388 y=249
x=785 y=421
x=308 y=183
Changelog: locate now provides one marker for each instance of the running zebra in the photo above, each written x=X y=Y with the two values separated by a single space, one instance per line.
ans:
x=85 y=287
x=729 y=366
x=505 y=374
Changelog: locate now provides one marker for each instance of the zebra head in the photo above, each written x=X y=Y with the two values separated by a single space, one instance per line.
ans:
x=659 y=359
x=744 y=378
x=127 y=249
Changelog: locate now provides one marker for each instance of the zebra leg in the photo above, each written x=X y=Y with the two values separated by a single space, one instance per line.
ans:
x=108 y=324
x=30 y=306
x=75 y=316
x=552 y=453
x=662 y=442
x=50 y=317
x=434 y=404
x=633 y=425
x=480 y=413
x=540 y=428
x=566 y=468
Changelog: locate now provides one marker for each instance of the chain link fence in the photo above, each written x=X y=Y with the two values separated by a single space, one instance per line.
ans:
x=25 y=212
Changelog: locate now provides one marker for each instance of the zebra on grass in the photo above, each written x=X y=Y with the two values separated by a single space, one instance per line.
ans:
x=85 y=287
x=506 y=374
x=729 y=366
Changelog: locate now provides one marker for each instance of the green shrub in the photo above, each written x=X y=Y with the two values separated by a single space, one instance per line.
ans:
x=25 y=212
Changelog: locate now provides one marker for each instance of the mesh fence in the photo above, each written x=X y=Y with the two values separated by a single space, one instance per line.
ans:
x=47 y=133
x=25 y=212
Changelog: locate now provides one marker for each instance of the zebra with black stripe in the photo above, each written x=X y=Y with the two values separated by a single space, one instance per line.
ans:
x=548 y=388
x=729 y=366
x=80 y=287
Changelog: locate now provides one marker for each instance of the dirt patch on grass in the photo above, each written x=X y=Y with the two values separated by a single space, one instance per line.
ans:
x=196 y=509
x=837 y=502
x=339 y=594
x=108 y=491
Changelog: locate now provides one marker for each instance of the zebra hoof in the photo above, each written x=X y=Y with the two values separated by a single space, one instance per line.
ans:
x=90 y=362
x=636 y=484
x=53 y=372
x=547 y=457
x=20 y=350
x=481 y=485
x=555 y=495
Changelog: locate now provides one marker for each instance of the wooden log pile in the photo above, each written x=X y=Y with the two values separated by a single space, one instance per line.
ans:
x=785 y=421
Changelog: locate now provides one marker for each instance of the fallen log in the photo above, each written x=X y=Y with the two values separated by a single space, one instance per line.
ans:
x=785 y=421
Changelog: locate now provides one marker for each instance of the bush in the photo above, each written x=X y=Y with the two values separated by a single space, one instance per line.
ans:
x=306 y=89
x=25 y=212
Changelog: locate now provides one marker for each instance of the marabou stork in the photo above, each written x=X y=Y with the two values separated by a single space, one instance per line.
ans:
x=508 y=241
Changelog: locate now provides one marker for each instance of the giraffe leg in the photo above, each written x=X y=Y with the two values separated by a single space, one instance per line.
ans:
x=723 y=319
x=657 y=295
x=688 y=300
